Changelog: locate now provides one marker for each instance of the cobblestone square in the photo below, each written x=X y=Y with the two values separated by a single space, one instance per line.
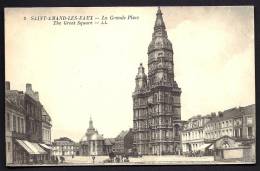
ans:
x=146 y=160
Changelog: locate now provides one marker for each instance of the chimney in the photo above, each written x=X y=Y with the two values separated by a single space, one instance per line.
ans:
x=7 y=85
x=220 y=114
x=213 y=114
x=36 y=95
x=28 y=87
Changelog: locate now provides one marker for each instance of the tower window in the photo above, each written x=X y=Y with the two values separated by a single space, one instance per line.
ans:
x=249 y=131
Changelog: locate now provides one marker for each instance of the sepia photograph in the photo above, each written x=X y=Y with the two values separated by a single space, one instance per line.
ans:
x=157 y=85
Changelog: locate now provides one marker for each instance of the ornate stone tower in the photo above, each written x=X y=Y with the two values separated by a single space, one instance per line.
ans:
x=157 y=114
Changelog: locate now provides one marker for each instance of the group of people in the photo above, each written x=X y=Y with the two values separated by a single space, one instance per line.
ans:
x=194 y=154
x=56 y=159
x=118 y=158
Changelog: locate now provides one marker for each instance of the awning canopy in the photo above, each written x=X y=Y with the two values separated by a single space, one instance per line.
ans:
x=32 y=147
x=30 y=151
x=204 y=146
x=40 y=150
x=35 y=147
x=46 y=146
x=211 y=147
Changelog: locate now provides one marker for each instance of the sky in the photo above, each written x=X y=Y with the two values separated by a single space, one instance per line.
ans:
x=89 y=71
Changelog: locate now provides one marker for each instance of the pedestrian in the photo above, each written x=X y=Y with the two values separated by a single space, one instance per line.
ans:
x=62 y=159
x=56 y=160
x=93 y=158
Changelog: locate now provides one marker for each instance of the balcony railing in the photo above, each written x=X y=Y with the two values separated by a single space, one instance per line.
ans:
x=162 y=140
x=164 y=126
x=19 y=135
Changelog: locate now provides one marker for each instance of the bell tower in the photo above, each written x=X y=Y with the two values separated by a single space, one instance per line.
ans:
x=157 y=109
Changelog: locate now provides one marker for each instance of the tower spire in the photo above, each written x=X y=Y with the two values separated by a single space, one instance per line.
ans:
x=159 y=20
x=159 y=10
x=91 y=123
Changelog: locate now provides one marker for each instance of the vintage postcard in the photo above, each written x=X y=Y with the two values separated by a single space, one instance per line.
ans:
x=129 y=86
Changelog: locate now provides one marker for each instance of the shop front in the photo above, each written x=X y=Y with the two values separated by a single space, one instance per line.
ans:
x=26 y=152
x=48 y=149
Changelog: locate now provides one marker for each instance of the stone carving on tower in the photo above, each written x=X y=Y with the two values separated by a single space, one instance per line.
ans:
x=156 y=99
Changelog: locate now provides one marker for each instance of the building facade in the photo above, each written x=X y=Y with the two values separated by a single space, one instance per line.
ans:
x=23 y=121
x=63 y=147
x=202 y=132
x=14 y=128
x=33 y=109
x=156 y=99
x=235 y=122
x=46 y=127
x=124 y=142
x=193 y=134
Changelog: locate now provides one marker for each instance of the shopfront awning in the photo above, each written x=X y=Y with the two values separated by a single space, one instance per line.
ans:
x=211 y=147
x=41 y=151
x=28 y=149
x=204 y=146
x=31 y=146
x=46 y=146
x=35 y=147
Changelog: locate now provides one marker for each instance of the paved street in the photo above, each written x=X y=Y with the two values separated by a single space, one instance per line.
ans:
x=145 y=160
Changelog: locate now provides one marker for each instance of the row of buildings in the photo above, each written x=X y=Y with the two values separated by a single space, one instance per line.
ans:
x=27 y=127
x=229 y=134
x=200 y=133
x=93 y=143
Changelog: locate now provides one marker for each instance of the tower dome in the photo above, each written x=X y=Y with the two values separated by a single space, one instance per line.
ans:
x=158 y=43
x=96 y=137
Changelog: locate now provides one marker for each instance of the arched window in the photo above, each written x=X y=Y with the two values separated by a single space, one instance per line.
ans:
x=155 y=98
x=176 y=130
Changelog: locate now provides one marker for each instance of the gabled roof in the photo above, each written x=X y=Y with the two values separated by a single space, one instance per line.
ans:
x=109 y=141
x=225 y=136
x=122 y=134
x=247 y=110
x=14 y=104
